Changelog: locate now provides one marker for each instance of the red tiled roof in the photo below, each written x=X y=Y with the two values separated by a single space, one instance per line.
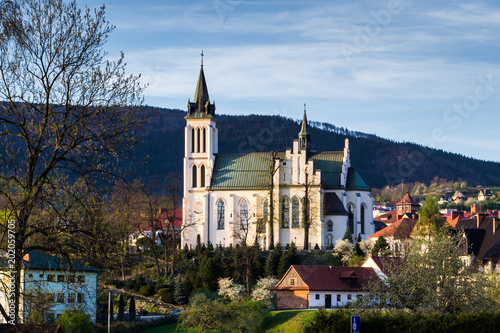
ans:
x=403 y=228
x=407 y=199
x=167 y=214
x=334 y=278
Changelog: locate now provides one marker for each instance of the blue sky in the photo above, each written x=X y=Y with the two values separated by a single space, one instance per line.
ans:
x=420 y=71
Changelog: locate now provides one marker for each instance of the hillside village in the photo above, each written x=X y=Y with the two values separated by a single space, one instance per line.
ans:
x=279 y=240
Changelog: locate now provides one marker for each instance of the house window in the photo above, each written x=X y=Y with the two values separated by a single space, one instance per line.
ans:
x=81 y=278
x=60 y=278
x=192 y=140
x=71 y=279
x=317 y=296
x=195 y=174
x=71 y=298
x=244 y=214
x=204 y=139
x=202 y=176
x=40 y=276
x=30 y=275
x=339 y=298
x=285 y=212
x=362 y=219
x=292 y=282
x=51 y=278
x=220 y=214
x=60 y=297
x=295 y=212
x=81 y=298
x=349 y=297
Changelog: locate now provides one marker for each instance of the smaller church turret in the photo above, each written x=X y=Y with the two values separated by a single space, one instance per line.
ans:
x=201 y=106
x=304 y=136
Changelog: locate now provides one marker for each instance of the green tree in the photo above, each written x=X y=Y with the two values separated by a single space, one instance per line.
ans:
x=430 y=220
x=381 y=248
x=121 y=308
x=347 y=234
x=75 y=321
x=207 y=274
x=432 y=278
x=68 y=114
x=131 y=309
x=179 y=296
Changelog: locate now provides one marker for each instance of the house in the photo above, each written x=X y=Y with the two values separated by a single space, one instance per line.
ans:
x=484 y=195
x=482 y=236
x=458 y=197
x=406 y=206
x=309 y=286
x=444 y=200
x=382 y=265
x=68 y=284
x=228 y=196
x=398 y=235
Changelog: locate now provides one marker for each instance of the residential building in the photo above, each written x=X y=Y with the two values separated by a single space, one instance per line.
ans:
x=309 y=287
x=68 y=284
x=228 y=198
x=484 y=195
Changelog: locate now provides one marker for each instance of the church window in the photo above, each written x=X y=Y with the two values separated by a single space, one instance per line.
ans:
x=306 y=212
x=362 y=219
x=351 y=218
x=195 y=174
x=204 y=140
x=295 y=212
x=192 y=140
x=266 y=209
x=198 y=141
x=244 y=214
x=330 y=226
x=220 y=214
x=285 y=212
x=202 y=176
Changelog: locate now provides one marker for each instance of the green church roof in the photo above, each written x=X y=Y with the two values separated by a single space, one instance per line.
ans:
x=330 y=164
x=355 y=182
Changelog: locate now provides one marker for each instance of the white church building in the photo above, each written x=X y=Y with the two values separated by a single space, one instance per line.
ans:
x=299 y=195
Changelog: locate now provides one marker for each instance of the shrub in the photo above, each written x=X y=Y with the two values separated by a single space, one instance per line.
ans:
x=130 y=285
x=316 y=247
x=160 y=286
x=119 y=284
x=75 y=320
x=109 y=282
x=146 y=290
x=166 y=295
x=149 y=265
x=138 y=285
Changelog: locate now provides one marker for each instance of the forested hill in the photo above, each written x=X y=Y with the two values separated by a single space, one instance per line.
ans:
x=379 y=161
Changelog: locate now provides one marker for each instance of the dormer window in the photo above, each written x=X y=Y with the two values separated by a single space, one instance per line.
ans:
x=292 y=282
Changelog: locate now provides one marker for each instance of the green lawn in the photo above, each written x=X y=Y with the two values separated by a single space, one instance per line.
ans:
x=292 y=321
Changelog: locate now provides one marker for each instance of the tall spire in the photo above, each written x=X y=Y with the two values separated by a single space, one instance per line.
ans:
x=201 y=106
x=304 y=136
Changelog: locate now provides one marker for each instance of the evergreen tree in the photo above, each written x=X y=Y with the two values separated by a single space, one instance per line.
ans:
x=283 y=265
x=347 y=234
x=121 y=308
x=381 y=248
x=179 y=296
x=430 y=220
x=131 y=309
x=357 y=248
x=206 y=273
x=271 y=265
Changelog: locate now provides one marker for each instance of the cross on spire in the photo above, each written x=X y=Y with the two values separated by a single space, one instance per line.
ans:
x=202 y=57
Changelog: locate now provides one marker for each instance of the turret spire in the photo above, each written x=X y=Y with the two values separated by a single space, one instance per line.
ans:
x=304 y=136
x=201 y=106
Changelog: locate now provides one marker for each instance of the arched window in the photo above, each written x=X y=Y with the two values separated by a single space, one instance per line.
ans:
x=244 y=214
x=362 y=219
x=202 y=176
x=192 y=140
x=295 y=212
x=285 y=212
x=198 y=141
x=266 y=210
x=204 y=140
x=195 y=175
x=330 y=226
x=351 y=218
x=220 y=214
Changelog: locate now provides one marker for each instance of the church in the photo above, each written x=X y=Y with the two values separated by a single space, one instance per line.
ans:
x=302 y=196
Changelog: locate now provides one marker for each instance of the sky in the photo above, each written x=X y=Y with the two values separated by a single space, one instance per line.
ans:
x=408 y=70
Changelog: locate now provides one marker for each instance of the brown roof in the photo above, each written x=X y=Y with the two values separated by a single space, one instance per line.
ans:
x=333 y=278
x=484 y=240
x=403 y=228
x=407 y=199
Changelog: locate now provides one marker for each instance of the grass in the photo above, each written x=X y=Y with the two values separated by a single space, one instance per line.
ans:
x=288 y=320
x=284 y=321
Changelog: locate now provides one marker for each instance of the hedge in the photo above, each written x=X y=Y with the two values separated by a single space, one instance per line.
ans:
x=397 y=321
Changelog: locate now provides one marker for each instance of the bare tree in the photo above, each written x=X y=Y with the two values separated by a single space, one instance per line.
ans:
x=66 y=117
x=274 y=167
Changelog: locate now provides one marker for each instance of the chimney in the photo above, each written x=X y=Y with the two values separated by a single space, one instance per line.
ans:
x=478 y=219
x=473 y=209
x=499 y=214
